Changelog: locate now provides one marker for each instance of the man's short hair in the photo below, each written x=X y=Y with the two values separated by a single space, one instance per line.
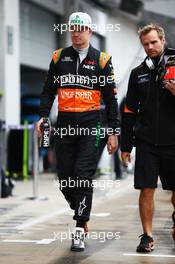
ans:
x=146 y=29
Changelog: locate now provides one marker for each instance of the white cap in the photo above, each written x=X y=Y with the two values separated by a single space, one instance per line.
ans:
x=80 y=19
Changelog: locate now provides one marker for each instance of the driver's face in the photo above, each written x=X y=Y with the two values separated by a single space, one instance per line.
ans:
x=80 y=36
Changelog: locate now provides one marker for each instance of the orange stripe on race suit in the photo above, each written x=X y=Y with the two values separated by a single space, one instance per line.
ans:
x=78 y=100
x=126 y=110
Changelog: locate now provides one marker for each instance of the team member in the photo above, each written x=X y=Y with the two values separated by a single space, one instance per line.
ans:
x=78 y=69
x=149 y=120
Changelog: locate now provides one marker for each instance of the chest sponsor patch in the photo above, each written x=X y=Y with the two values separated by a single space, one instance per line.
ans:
x=76 y=94
x=80 y=80
x=67 y=59
x=90 y=62
x=89 y=67
x=143 y=78
x=78 y=100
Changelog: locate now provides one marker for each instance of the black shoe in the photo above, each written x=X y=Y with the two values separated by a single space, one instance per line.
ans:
x=78 y=239
x=146 y=244
x=173 y=228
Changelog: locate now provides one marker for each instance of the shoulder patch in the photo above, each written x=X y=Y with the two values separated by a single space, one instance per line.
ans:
x=103 y=59
x=56 y=55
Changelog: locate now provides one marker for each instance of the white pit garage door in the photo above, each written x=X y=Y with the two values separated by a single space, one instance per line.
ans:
x=38 y=39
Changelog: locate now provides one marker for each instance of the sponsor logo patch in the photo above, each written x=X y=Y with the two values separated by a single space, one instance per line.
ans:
x=67 y=59
x=89 y=67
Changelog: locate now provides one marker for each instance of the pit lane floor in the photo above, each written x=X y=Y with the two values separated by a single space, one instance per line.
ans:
x=37 y=232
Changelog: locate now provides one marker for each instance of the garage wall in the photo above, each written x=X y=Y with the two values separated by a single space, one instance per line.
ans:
x=9 y=61
x=2 y=68
x=125 y=48
x=56 y=6
x=37 y=40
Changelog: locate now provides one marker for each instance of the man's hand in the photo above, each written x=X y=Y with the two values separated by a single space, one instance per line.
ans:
x=170 y=85
x=126 y=158
x=38 y=129
x=112 y=144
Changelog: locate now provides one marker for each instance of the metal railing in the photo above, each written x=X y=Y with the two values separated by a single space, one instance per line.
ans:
x=4 y=130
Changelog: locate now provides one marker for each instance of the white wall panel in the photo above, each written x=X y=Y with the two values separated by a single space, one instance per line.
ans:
x=125 y=48
x=57 y=6
x=38 y=39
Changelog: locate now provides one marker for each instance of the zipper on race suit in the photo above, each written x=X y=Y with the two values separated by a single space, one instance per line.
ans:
x=78 y=64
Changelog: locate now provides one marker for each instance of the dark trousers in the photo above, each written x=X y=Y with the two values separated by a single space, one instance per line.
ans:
x=76 y=166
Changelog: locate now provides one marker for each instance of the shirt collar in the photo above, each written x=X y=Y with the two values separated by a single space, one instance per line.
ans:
x=89 y=54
